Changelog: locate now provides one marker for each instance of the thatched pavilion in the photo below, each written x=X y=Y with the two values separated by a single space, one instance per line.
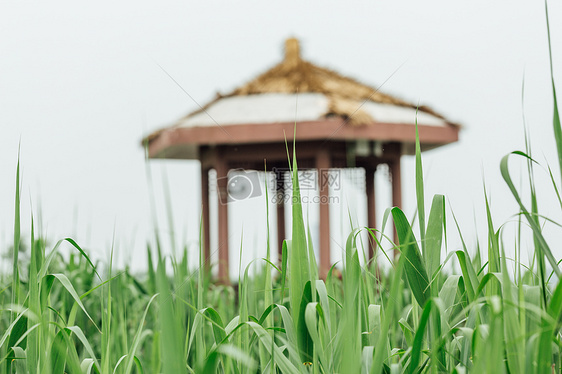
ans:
x=339 y=123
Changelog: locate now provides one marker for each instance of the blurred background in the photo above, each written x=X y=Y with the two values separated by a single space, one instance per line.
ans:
x=81 y=84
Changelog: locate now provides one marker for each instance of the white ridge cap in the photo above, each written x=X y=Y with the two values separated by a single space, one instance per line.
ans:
x=263 y=108
x=282 y=107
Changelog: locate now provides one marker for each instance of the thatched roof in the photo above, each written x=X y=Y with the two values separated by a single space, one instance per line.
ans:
x=321 y=93
x=293 y=75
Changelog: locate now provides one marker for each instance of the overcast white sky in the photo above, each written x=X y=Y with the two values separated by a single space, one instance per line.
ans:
x=80 y=85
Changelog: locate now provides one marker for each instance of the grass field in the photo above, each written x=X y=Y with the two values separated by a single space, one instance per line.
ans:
x=62 y=315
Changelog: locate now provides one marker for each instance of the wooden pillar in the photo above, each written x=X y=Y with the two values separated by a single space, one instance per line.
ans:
x=371 y=207
x=221 y=168
x=323 y=164
x=280 y=203
x=205 y=220
x=394 y=167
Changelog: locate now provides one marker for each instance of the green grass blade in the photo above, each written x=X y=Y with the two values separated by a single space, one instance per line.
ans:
x=556 y=114
x=34 y=302
x=469 y=275
x=350 y=327
x=419 y=187
x=75 y=245
x=314 y=314
x=381 y=349
x=80 y=335
x=420 y=332
x=137 y=339
x=16 y=247
x=413 y=266
x=543 y=246
x=172 y=357
x=68 y=285
x=299 y=267
x=514 y=336
x=284 y=261
x=280 y=359
x=434 y=236
x=548 y=328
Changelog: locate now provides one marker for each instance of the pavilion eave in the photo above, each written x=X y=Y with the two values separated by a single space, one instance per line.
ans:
x=184 y=142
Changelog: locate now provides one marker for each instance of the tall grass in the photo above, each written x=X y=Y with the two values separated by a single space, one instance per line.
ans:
x=61 y=316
